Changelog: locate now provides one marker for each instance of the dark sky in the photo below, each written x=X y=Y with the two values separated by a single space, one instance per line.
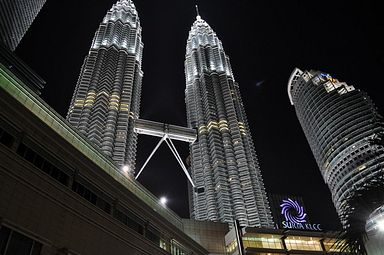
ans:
x=265 y=40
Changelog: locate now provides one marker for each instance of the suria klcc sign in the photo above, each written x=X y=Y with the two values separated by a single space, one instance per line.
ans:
x=295 y=217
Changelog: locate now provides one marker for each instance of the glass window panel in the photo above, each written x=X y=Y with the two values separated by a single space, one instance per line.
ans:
x=4 y=235
x=6 y=138
x=36 y=248
x=19 y=244
x=263 y=241
x=330 y=245
x=303 y=243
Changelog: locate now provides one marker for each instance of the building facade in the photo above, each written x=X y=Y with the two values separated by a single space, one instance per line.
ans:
x=15 y=19
x=224 y=165
x=209 y=234
x=107 y=95
x=59 y=195
x=256 y=241
x=21 y=70
x=341 y=124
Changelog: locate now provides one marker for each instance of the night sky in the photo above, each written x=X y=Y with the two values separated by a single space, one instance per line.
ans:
x=265 y=40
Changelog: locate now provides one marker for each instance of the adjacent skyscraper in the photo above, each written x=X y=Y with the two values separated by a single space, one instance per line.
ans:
x=224 y=165
x=16 y=16
x=343 y=129
x=107 y=94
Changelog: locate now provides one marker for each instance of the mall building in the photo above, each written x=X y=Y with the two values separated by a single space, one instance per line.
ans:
x=256 y=241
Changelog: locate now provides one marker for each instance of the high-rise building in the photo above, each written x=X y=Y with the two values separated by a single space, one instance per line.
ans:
x=224 y=165
x=16 y=16
x=342 y=125
x=107 y=95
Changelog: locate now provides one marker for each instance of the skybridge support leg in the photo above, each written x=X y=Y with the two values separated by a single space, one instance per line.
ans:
x=178 y=158
x=174 y=152
x=150 y=156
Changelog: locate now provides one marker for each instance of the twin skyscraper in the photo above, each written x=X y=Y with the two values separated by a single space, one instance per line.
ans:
x=106 y=103
x=107 y=95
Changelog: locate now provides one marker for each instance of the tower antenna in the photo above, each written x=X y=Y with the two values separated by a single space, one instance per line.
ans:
x=197 y=11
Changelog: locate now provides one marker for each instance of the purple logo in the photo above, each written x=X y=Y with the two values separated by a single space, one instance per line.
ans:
x=293 y=212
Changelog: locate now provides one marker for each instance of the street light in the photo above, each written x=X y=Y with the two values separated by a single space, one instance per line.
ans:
x=375 y=232
x=125 y=169
x=380 y=225
x=375 y=221
x=163 y=201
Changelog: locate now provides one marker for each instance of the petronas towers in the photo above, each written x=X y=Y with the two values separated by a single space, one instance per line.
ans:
x=223 y=159
x=107 y=94
x=106 y=102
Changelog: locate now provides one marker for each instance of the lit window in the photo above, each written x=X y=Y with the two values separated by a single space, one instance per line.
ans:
x=303 y=243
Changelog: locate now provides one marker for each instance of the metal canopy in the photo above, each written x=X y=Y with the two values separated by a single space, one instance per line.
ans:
x=167 y=133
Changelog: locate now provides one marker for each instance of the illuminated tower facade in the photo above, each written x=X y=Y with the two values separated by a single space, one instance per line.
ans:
x=16 y=16
x=107 y=95
x=345 y=132
x=224 y=165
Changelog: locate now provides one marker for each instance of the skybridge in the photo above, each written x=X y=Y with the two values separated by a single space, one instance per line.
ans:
x=167 y=133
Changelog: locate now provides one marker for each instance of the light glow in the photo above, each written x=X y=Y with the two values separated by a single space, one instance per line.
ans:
x=163 y=201
x=380 y=225
x=125 y=169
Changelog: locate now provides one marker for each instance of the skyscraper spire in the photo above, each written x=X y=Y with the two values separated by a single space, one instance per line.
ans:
x=224 y=165
x=197 y=12
x=107 y=95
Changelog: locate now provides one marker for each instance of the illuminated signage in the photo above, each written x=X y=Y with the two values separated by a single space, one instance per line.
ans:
x=328 y=77
x=295 y=217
